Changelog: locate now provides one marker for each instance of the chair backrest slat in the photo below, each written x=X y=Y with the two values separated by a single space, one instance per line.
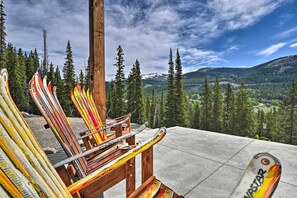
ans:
x=85 y=105
x=94 y=109
x=18 y=185
x=51 y=110
x=25 y=169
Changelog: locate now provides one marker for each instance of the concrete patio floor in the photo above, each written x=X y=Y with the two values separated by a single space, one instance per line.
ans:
x=198 y=163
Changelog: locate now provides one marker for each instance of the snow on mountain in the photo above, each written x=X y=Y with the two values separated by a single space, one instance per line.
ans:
x=153 y=76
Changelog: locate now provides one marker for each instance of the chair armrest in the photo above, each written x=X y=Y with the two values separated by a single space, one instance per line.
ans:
x=104 y=145
x=88 y=132
x=117 y=119
x=117 y=162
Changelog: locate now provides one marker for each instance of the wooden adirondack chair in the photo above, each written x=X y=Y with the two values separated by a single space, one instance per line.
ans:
x=25 y=170
x=47 y=102
x=85 y=105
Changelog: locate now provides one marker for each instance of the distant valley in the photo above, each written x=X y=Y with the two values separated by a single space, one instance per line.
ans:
x=267 y=80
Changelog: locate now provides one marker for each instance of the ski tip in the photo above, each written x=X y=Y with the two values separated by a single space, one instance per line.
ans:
x=4 y=77
x=146 y=124
x=161 y=132
x=261 y=177
x=266 y=155
x=54 y=90
x=78 y=86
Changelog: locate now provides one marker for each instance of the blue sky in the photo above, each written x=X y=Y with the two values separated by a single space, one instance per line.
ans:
x=235 y=33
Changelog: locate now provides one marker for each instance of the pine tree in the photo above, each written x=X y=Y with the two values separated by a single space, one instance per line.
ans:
x=148 y=110
x=206 y=106
x=68 y=81
x=81 y=78
x=138 y=95
x=153 y=111
x=229 y=111
x=13 y=69
x=87 y=76
x=170 y=103
x=217 y=110
x=58 y=82
x=196 y=122
x=24 y=96
x=2 y=37
x=119 y=83
x=290 y=104
x=113 y=99
x=50 y=73
x=31 y=63
x=272 y=132
x=30 y=66
x=186 y=106
x=180 y=109
x=162 y=111
x=283 y=122
x=245 y=121
x=131 y=103
x=36 y=64
x=278 y=133
x=28 y=99
x=108 y=102
x=191 y=112
x=261 y=122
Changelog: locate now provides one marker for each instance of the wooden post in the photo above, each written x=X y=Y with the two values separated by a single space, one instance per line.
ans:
x=130 y=177
x=147 y=164
x=97 y=57
x=66 y=177
x=118 y=130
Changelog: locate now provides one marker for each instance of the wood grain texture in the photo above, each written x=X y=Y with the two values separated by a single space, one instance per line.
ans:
x=104 y=183
x=147 y=164
x=130 y=177
x=137 y=192
x=118 y=162
x=99 y=57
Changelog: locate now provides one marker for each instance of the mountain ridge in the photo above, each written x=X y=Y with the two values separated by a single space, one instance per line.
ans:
x=270 y=64
x=273 y=76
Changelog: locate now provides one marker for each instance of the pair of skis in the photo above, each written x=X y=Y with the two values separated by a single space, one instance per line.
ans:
x=46 y=100
x=84 y=103
x=21 y=157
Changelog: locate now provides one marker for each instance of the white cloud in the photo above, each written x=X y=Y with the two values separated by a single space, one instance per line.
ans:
x=145 y=29
x=286 y=33
x=63 y=21
x=271 y=49
x=293 y=45
x=241 y=13
x=198 y=57
x=179 y=25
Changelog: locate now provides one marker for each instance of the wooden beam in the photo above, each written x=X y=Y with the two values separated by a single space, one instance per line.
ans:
x=137 y=192
x=130 y=177
x=97 y=56
x=147 y=168
x=91 y=44
x=105 y=182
